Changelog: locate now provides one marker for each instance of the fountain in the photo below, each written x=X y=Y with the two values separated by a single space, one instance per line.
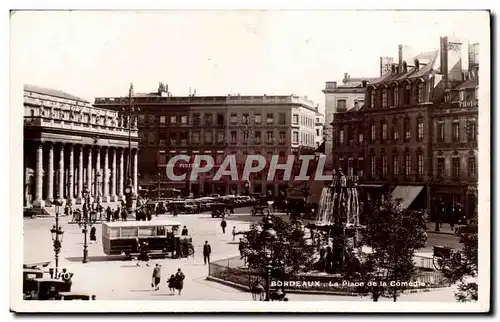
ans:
x=337 y=221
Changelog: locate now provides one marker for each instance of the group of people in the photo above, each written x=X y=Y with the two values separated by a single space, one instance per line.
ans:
x=175 y=282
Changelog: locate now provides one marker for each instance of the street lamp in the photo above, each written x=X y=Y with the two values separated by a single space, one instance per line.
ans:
x=86 y=221
x=98 y=194
x=57 y=233
x=269 y=236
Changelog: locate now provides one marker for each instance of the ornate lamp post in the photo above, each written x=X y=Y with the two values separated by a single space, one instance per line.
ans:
x=87 y=221
x=57 y=233
x=98 y=194
x=269 y=236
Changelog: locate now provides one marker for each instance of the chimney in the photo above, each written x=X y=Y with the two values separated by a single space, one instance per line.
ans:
x=453 y=60
x=400 y=56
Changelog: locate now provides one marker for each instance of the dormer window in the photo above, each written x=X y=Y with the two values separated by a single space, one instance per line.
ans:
x=372 y=101
x=395 y=98
x=384 y=97
x=421 y=92
x=407 y=94
x=462 y=95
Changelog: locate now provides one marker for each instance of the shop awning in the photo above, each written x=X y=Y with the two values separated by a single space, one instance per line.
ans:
x=407 y=194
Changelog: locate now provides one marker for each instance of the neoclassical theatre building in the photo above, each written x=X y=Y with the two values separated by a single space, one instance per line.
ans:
x=69 y=144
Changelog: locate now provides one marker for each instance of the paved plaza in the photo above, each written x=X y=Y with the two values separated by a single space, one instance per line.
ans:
x=113 y=280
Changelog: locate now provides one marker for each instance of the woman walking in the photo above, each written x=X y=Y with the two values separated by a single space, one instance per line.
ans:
x=179 y=280
x=171 y=284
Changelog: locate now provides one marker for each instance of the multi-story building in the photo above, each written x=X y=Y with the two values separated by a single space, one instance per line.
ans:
x=393 y=137
x=319 y=125
x=218 y=126
x=454 y=183
x=68 y=144
x=349 y=96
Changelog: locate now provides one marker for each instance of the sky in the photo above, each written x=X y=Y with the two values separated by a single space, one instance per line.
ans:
x=99 y=53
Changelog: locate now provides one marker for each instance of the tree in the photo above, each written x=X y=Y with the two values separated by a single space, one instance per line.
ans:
x=290 y=252
x=462 y=268
x=394 y=234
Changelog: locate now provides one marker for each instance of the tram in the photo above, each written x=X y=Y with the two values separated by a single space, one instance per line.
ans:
x=122 y=237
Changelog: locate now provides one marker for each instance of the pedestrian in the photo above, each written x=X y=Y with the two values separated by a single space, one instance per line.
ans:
x=207 y=250
x=92 y=234
x=108 y=214
x=124 y=214
x=241 y=248
x=223 y=225
x=171 y=284
x=156 y=277
x=257 y=291
x=234 y=232
x=143 y=254
x=184 y=231
x=179 y=280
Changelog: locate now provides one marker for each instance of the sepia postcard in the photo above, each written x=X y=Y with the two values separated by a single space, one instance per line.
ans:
x=217 y=160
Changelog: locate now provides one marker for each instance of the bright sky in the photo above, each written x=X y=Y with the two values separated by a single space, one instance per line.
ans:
x=92 y=54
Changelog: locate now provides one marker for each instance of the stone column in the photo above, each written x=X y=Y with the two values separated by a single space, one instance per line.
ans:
x=39 y=177
x=80 y=174
x=113 y=175
x=71 y=171
x=50 y=175
x=134 y=172
x=106 y=178
x=89 y=170
x=61 y=173
x=120 y=177
x=98 y=174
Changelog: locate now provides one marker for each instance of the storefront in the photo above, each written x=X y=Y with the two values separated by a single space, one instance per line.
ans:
x=448 y=203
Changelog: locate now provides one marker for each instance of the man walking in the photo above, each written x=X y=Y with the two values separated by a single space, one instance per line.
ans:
x=241 y=248
x=156 y=277
x=234 y=232
x=207 y=250
x=223 y=225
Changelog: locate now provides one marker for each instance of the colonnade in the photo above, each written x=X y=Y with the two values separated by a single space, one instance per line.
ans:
x=93 y=169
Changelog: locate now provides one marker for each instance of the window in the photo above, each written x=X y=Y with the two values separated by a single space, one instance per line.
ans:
x=360 y=167
x=384 y=97
x=395 y=97
x=208 y=119
x=162 y=158
x=407 y=95
x=407 y=164
x=407 y=129
x=421 y=92
x=245 y=118
x=455 y=167
x=258 y=118
x=456 y=131
x=257 y=137
x=395 y=166
x=373 y=166
x=173 y=119
x=219 y=158
x=162 y=138
x=295 y=137
x=440 y=131
x=395 y=130
x=282 y=118
x=373 y=133
x=152 y=138
x=270 y=137
x=163 y=119
x=341 y=105
x=141 y=118
x=361 y=138
x=384 y=165
x=196 y=119
x=295 y=119
x=282 y=138
x=220 y=119
x=234 y=118
x=372 y=101
x=184 y=119
x=270 y=118
x=420 y=165
x=129 y=232
x=440 y=167
x=208 y=137
x=233 y=137
x=173 y=138
x=384 y=131
x=317 y=132
x=195 y=137
x=152 y=119
x=341 y=137
x=420 y=129
x=184 y=137
x=472 y=167
x=471 y=130
x=220 y=137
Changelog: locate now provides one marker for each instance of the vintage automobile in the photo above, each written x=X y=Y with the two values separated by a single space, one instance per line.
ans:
x=47 y=289
x=182 y=206
x=219 y=210
x=123 y=237
x=74 y=296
